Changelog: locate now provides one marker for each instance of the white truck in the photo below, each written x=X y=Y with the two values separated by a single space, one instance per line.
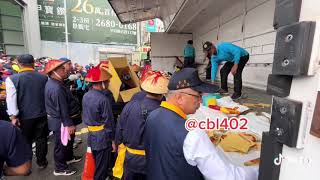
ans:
x=283 y=39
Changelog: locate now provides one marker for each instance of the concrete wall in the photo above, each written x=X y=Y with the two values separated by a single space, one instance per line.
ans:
x=164 y=48
x=32 y=28
x=248 y=25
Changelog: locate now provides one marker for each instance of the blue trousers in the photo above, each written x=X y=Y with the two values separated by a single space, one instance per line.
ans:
x=62 y=153
x=102 y=162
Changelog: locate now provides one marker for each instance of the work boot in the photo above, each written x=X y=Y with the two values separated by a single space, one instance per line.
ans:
x=43 y=165
x=235 y=96
x=223 y=92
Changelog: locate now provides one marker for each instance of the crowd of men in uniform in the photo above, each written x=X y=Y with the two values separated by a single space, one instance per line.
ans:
x=150 y=137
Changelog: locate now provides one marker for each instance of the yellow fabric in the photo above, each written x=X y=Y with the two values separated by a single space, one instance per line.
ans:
x=173 y=108
x=3 y=86
x=24 y=69
x=234 y=142
x=118 y=166
x=16 y=68
x=136 y=151
x=95 y=128
x=212 y=102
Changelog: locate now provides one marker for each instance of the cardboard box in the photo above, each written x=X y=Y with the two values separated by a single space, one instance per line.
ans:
x=120 y=70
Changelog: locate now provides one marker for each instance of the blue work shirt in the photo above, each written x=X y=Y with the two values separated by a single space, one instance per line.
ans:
x=97 y=111
x=165 y=133
x=138 y=96
x=130 y=131
x=74 y=107
x=141 y=95
x=189 y=51
x=226 y=52
x=14 y=150
x=57 y=100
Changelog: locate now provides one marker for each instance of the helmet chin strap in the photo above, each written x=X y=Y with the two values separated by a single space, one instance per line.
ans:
x=103 y=86
x=55 y=73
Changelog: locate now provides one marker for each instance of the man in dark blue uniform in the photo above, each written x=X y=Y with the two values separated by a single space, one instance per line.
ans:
x=97 y=115
x=130 y=128
x=172 y=152
x=165 y=130
x=15 y=152
x=26 y=107
x=138 y=96
x=57 y=101
x=74 y=104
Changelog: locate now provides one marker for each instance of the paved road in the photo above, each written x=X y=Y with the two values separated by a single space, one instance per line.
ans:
x=47 y=174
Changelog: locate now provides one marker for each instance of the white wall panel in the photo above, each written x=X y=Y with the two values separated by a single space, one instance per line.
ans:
x=254 y=3
x=163 y=64
x=256 y=77
x=259 y=40
x=164 y=44
x=256 y=50
x=208 y=26
x=268 y=48
x=260 y=19
x=259 y=37
x=199 y=40
x=231 y=31
x=232 y=12
x=263 y=58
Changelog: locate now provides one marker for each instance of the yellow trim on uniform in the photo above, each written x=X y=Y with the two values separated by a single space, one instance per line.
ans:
x=25 y=69
x=118 y=166
x=95 y=128
x=136 y=151
x=173 y=108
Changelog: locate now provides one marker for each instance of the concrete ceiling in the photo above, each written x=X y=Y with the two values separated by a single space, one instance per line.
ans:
x=130 y=11
x=197 y=13
x=179 y=16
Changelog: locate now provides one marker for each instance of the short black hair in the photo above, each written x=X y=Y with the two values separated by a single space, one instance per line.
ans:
x=190 y=42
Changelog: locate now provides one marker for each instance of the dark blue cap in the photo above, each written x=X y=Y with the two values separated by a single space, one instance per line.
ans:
x=189 y=78
x=64 y=59
x=25 y=59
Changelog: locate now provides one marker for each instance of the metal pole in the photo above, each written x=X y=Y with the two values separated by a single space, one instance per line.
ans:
x=66 y=28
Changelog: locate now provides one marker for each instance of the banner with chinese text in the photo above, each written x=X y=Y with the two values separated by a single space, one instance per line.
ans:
x=89 y=21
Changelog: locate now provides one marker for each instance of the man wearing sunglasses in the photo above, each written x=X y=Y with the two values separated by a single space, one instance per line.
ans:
x=174 y=153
